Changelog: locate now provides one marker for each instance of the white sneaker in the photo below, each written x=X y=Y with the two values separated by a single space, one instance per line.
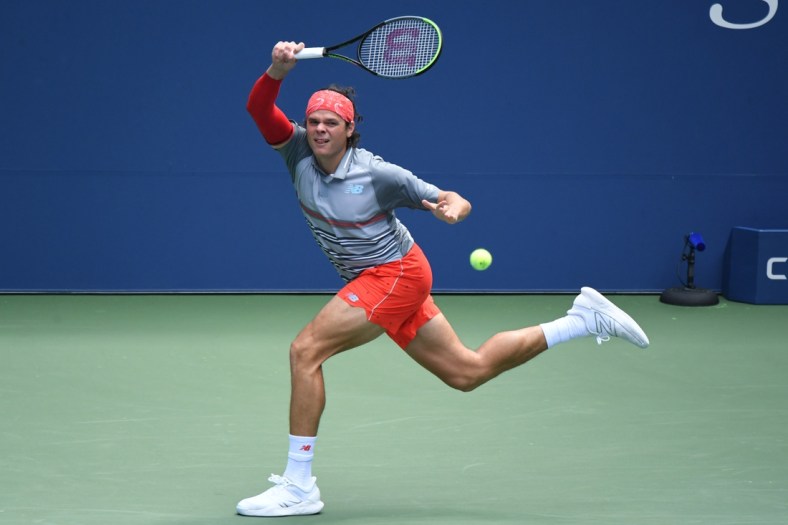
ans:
x=605 y=320
x=283 y=499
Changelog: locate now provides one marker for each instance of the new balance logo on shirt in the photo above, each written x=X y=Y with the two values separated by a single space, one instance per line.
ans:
x=355 y=189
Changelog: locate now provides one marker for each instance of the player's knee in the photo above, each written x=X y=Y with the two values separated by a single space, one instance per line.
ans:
x=301 y=353
x=465 y=382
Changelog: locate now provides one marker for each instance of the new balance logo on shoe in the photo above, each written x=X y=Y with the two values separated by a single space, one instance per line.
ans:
x=604 y=325
x=283 y=499
x=289 y=502
x=607 y=319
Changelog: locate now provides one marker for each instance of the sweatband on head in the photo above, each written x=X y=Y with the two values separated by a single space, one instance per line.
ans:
x=331 y=101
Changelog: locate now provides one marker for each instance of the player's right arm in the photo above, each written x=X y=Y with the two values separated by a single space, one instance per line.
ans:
x=283 y=59
x=271 y=121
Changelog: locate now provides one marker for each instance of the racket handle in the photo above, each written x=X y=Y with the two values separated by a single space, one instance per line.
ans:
x=311 y=52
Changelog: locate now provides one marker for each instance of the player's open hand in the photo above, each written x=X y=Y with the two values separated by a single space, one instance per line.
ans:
x=443 y=211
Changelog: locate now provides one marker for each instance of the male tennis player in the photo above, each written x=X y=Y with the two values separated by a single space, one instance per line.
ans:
x=348 y=196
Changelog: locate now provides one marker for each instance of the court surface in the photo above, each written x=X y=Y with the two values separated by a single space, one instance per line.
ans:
x=168 y=409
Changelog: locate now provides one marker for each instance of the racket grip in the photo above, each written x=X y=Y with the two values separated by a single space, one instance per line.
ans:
x=311 y=52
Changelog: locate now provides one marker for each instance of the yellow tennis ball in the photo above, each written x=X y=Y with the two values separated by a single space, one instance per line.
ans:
x=481 y=259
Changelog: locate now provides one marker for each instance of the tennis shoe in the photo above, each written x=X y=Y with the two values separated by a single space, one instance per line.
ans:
x=605 y=320
x=283 y=499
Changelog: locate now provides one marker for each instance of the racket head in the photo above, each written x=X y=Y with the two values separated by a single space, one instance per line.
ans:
x=401 y=47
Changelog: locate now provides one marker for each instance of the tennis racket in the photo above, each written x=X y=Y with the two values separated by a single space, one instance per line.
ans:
x=400 y=47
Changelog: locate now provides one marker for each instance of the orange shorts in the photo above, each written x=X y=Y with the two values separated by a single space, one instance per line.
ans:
x=395 y=295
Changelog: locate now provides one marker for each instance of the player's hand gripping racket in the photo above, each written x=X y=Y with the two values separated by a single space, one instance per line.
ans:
x=400 y=47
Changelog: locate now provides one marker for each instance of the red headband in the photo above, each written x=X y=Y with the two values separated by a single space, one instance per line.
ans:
x=331 y=101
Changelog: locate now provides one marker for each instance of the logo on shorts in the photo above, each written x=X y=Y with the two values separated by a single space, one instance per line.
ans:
x=353 y=297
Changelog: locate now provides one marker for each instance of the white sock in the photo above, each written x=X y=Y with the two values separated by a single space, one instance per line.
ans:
x=563 y=329
x=299 y=460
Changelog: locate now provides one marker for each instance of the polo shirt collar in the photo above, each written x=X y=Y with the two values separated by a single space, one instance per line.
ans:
x=344 y=165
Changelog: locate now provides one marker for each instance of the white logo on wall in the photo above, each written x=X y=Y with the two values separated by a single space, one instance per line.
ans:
x=715 y=13
x=770 y=269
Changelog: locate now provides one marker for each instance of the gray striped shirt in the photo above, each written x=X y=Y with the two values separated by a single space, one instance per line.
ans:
x=351 y=212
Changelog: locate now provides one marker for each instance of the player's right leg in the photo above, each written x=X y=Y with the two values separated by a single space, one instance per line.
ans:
x=336 y=328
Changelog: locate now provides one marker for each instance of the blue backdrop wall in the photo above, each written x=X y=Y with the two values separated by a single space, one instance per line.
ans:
x=590 y=137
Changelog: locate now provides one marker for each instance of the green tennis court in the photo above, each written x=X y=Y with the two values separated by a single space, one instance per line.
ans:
x=168 y=409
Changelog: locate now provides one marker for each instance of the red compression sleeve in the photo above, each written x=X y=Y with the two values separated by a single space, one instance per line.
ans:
x=270 y=120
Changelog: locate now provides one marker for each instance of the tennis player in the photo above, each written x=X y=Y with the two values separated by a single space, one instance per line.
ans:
x=348 y=197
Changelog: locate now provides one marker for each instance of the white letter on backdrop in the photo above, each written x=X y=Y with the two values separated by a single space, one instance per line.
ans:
x=715 y=13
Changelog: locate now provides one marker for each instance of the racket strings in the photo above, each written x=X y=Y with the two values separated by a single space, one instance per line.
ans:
x=400 y=48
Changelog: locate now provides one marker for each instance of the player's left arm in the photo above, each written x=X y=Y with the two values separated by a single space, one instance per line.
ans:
x=451 y=207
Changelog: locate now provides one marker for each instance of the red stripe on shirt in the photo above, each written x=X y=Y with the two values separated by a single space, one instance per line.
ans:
x=343 y=224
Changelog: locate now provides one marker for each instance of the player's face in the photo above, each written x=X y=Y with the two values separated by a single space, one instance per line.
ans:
x=328 y=135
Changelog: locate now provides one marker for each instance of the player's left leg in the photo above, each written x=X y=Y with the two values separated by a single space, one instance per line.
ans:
x=437 y=348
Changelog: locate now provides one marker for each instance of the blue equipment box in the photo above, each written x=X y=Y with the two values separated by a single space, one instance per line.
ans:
x=756 y=266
